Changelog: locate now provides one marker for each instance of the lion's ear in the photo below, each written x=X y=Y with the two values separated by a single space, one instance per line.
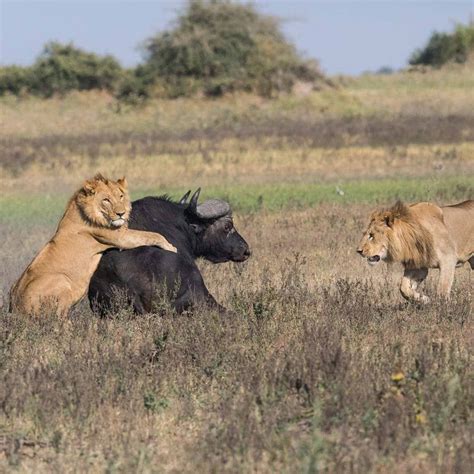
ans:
x=389 y=219
x=89 y=187
x=122 y=182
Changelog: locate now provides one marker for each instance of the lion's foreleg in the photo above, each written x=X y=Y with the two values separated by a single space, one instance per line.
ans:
x=446 y=278
x=409 y=284
x=130 y=239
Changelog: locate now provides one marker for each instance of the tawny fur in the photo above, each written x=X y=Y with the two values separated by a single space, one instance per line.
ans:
x=408 y=241
x=95 y=220
x=422 y=236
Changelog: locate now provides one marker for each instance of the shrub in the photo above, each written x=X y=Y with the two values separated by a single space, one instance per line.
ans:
x=219 y=46
x=15 y=80
x=216 y=46
x=134 y=86
x=61 y=68
x=444 y=47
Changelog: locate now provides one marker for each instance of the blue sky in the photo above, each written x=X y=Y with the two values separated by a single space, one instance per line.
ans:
x=345 y=36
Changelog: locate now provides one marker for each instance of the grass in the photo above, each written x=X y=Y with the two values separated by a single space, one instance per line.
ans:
x=41 y=208
x=439 y=93
x=323 y=368
x=451 y=78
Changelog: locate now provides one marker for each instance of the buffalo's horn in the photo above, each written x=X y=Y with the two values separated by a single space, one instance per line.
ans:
x=192 y=206
x=184 y=199
x=213 y=209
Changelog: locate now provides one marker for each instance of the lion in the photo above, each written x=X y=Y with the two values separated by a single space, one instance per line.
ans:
x=421 y=236
x=95 y=220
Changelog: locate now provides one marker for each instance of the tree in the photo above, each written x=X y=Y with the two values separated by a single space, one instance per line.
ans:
x=446 y=47
x=61 y=68
x=219 y=46
x=15 y=80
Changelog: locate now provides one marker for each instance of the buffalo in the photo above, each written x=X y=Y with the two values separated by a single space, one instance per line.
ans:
x=197 y=230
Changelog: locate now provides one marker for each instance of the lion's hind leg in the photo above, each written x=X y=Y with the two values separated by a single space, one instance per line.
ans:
x=48 y=294
x=409 y=284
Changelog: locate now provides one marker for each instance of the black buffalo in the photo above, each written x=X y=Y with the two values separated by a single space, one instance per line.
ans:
x=205 y=230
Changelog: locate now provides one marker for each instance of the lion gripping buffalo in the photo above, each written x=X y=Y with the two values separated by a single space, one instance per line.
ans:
x=197 y=230
x=95 y=220
x=421 y=236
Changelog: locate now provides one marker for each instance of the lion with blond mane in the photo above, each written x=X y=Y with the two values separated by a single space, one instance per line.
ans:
x=95 y=220
x=421 y=236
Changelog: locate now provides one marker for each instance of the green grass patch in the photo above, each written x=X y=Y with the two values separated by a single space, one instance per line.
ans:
x=300 y=195
x=270 y=197
x=455 y=77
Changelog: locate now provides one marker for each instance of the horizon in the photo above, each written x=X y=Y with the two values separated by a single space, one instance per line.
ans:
x=320 y=30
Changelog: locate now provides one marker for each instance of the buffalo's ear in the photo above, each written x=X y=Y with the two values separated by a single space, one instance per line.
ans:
x=122 y=182
x=197 y=228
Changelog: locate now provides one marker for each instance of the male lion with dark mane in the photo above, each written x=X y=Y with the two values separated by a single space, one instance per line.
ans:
x=421 y=236
x=95 y=220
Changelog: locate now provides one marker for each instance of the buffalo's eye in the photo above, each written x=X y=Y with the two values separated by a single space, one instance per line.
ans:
x=228 y=226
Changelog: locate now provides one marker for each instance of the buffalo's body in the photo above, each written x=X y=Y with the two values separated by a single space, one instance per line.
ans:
x=147 y=274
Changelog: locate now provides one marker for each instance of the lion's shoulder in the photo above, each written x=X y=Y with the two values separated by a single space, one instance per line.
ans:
x=422 y=211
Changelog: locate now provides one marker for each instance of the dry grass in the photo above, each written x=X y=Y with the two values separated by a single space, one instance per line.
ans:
x=303 y=376
x=324 y=367
x=275 y=148
x=440 y=93
x=409 y=124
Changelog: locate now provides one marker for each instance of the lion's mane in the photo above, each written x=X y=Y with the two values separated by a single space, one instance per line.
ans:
x=409 y=242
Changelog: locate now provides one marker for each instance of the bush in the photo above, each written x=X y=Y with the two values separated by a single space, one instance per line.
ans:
x=62 y=68
x=219 y=46
x=444 y=47
x=134 y=86
x=15 y=80
x=216 y=46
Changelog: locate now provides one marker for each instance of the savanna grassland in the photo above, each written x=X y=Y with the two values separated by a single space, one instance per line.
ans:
x=323 y=368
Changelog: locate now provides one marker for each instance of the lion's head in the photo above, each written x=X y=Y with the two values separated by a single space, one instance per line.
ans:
x=395 y=235
x=104 y=202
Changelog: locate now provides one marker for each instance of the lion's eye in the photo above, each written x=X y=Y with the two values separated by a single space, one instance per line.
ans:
x=121 y=197
x=106 y=201
x=371 y=236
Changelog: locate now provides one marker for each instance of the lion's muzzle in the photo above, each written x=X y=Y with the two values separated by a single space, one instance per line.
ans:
x=118 y=222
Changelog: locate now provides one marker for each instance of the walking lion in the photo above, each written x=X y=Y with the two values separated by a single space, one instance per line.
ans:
x=421 y=236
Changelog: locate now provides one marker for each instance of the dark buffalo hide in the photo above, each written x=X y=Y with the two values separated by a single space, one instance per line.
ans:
x=146 y=275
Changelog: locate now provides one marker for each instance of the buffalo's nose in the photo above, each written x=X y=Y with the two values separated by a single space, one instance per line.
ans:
x=359 y=251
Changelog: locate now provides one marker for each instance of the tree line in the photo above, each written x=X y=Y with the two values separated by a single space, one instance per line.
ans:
x=215 y=47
